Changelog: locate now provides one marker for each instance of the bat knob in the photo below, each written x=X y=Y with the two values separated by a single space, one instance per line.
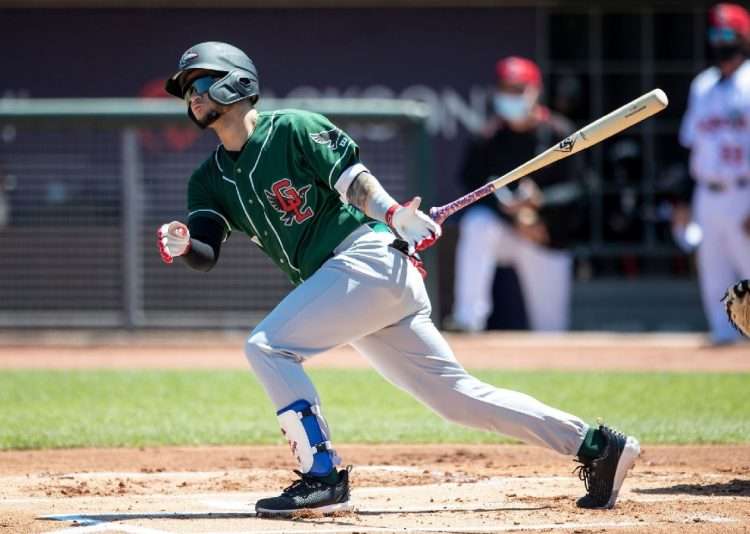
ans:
x=437 y=215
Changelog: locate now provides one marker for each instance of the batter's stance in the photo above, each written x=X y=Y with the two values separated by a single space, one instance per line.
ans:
x=294 y=183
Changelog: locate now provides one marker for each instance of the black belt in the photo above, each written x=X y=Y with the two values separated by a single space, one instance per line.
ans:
x=720 y=187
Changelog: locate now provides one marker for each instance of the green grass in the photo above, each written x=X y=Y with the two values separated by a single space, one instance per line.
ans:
x=43 y=409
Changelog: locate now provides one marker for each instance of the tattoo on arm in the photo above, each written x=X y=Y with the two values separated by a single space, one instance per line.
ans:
x=360 y=189
x=366 y=194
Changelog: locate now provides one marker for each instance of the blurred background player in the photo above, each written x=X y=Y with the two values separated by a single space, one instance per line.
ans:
x=528 y=226
x=716 y=130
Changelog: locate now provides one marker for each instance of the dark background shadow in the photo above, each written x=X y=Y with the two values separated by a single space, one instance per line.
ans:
x=733 y=488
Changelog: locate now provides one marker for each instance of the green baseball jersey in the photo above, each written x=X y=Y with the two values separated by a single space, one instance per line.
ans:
x=281 y=189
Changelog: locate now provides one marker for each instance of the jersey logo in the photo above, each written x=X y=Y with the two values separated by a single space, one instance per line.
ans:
x=289 y=201
x=329 y=137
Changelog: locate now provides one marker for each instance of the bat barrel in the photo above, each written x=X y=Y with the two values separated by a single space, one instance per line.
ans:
x=635 y=111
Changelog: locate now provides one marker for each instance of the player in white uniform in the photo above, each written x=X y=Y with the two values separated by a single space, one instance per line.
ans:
x=529 y=229
x=716 y=129
x=294 y=183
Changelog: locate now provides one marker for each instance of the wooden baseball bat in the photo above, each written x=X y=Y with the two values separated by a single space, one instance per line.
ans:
x=631 y=113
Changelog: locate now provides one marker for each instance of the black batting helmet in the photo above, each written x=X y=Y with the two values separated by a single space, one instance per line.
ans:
x=240 y=80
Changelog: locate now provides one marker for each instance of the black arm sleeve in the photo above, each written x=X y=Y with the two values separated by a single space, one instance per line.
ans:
x=206 y=236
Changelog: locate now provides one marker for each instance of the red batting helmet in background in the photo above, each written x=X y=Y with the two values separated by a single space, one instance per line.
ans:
x=730 y=16
x=518 y=71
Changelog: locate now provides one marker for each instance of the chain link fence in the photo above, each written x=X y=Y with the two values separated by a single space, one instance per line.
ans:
x=86 y=183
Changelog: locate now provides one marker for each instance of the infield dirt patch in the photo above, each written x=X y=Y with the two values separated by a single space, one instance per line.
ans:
x=493 y=350
x=427 y=488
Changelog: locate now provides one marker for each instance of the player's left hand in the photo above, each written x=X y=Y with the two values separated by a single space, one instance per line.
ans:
x=173 y=239
x=526 y=196
x=412 y=225
x=529 y=225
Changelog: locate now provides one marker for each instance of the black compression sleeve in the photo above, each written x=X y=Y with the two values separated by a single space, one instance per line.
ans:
x=206 y=236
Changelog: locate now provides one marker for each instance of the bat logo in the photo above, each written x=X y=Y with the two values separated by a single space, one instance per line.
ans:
x=635 y=110
x=327 y=137
x=566 y=145
x=289 y=201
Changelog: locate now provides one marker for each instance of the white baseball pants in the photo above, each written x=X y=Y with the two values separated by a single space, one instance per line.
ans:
x=724 y=253
x=372 y=297
x=545 y=275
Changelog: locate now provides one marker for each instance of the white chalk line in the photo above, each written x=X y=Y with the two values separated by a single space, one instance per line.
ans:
x=209 y=498
x=129 y=529
x=108 y=527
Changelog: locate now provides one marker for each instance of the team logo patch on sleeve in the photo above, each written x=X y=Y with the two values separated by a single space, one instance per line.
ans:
x=289 y=201
x=332 y=138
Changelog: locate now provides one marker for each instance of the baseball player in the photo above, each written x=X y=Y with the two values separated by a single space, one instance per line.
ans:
x=716 y=129
x=294 y=183
x=529 y=230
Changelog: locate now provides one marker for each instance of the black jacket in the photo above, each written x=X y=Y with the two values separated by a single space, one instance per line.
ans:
x=562 y=182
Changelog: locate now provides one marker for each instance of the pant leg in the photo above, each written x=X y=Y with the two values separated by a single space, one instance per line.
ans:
x=359 y=291
x=476 y=260
x=715 y=268
x=414 y=356
x=738 y=238
x=546 y=277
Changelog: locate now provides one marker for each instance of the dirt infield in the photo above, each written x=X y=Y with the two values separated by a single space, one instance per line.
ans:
x=397 y=489
x=224 y=350
x=425 y=488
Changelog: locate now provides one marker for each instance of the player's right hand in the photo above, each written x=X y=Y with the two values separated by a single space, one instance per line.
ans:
x=173 y=240
x=412 y=225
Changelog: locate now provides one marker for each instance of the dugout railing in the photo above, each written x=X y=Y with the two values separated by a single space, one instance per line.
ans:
x=86 y=182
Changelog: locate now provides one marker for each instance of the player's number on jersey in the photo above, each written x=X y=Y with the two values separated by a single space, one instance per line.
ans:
x=731 y=154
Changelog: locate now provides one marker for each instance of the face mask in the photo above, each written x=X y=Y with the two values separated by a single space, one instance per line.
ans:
x=726 y=52
x=511 y=107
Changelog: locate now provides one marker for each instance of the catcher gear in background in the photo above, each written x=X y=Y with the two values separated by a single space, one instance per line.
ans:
x=737 y=304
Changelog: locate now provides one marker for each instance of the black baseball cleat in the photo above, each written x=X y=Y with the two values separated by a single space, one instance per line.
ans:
x=603 y=476
x=309 y=493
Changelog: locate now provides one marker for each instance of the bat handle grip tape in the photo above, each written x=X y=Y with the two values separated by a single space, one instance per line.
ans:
x=440 y=213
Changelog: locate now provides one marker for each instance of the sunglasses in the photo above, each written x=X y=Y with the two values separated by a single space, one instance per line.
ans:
x=199 y=86
x=718 y=36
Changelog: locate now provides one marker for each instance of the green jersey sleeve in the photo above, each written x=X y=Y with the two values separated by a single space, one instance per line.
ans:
x=201 y=201
x=328 y=150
